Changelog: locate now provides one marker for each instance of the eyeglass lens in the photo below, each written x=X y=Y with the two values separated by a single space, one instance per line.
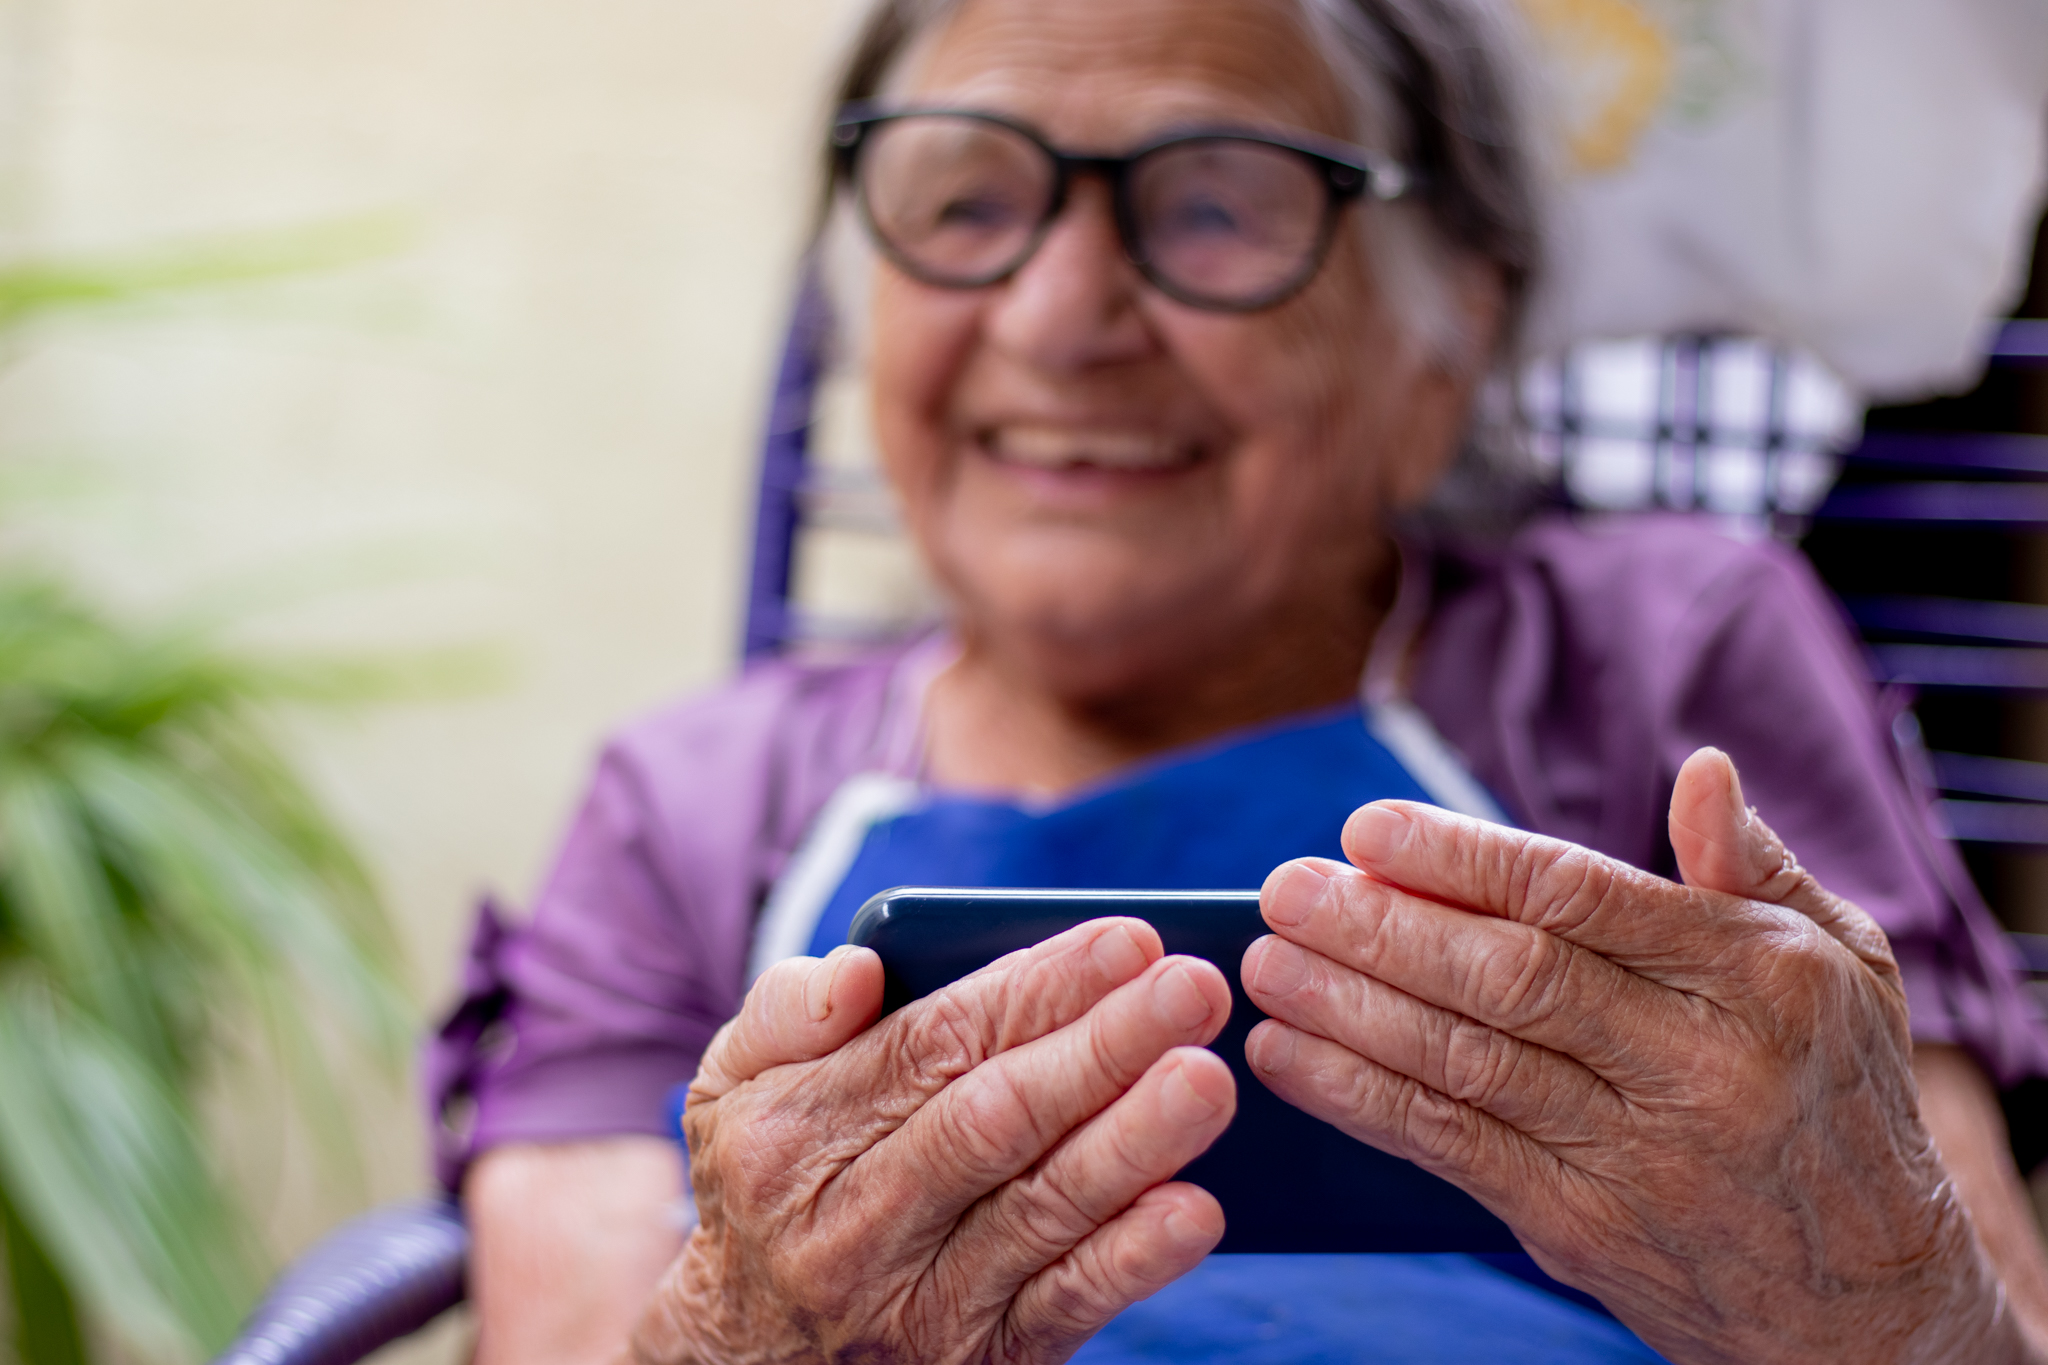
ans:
x=963 y=201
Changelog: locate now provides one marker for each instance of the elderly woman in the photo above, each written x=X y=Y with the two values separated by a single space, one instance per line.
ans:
x=1174 y=312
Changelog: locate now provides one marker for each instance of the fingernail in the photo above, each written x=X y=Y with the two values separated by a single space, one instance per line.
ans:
x=1178 y=999
x=1291 y=894
x=1273 y=1049
x=1375 y=834
x=1180 y=1228
x=818 y=988
x=1739 y=813
x=1118 y=953
x=1186 y=1230
x=1277 y=967
x=1180 y=1104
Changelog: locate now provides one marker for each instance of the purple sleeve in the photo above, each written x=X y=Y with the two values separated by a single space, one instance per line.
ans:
x=579 y=1023
x=583 y=1021
x=1781 y=685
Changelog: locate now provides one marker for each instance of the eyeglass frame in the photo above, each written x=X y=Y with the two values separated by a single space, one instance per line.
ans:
x=1349 y=173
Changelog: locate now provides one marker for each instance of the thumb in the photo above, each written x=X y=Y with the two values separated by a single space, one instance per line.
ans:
x=801 y=1009
x=1723 y=845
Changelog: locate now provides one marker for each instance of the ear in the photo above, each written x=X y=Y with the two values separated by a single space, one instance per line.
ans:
x=1442 y=386
x=1480 y=298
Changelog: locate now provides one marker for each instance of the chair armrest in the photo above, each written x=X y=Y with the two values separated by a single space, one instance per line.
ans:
x=380 y=1277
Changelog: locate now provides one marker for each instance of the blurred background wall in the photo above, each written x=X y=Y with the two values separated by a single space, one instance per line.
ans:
x=529 y=424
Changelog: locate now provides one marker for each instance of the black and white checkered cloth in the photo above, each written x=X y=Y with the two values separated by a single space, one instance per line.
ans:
x=1727 y=425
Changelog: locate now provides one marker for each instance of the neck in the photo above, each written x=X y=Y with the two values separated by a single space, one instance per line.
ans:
x=997 y=721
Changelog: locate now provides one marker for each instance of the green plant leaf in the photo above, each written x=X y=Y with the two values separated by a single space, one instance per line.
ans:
x=30 y=289
x=55 y=895
x=45 y=1328
x=104 y=1163
x=221 y=875
x=165 y=878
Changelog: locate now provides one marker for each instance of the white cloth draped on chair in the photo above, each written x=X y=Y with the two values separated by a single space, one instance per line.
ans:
x=1857 y=178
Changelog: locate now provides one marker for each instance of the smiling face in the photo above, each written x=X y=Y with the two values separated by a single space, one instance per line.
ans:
x=1115 y=489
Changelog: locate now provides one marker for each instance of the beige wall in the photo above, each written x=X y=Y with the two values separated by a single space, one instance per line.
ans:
x=532 y=428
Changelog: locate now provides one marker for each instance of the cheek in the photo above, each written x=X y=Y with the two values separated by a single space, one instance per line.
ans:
x=1308 y=390
x=921 y=339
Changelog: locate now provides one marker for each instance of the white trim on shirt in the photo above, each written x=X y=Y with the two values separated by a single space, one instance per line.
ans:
x=821 y=863
x=1408 y=735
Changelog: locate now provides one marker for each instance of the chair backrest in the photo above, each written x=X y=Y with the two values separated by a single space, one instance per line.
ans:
x=1960 y=487
x=785 y=469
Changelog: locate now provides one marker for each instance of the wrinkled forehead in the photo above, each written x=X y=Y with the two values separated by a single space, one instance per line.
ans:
x=1105 y=75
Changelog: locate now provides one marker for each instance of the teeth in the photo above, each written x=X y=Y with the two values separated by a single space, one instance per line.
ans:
x=1066 y=447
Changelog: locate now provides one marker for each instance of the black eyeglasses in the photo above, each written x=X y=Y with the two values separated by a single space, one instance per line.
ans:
x=1227 y=220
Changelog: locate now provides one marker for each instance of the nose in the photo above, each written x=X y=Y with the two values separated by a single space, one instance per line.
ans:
x=1075 y=303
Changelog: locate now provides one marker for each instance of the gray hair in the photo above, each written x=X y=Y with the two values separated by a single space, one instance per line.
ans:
x=1432 y=83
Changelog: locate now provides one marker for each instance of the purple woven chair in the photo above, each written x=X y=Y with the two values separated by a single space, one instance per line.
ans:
x=375 y=1279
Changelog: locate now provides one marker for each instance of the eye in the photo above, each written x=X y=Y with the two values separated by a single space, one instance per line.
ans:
x=1202 y=215
x=978 y=212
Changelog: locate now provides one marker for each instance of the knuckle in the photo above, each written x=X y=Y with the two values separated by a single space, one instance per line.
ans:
x=940 y=1039
x=1522 y=866
x=1370 y=936
x=1523 y=982
x=1480 y=1063
x=1100 y=1045
x=1081 y=1293
x=1566 y=886
x=1126 y=1157
x=1043 y=1217
x=1435 y=1127
x=979 y=1129
x=1805 y=972
x=1347 y=893
x=1467 y=838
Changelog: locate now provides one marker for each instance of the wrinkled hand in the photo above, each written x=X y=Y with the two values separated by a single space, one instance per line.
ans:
x=1695 y=1102
x=980 y=1176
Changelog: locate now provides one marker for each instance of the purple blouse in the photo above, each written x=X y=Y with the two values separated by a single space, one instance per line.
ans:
x=1574 y=668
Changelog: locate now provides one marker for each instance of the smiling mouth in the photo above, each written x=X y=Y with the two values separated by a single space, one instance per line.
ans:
x=1069 y=448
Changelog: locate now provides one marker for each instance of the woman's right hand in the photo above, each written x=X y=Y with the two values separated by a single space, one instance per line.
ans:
x=982 y=1175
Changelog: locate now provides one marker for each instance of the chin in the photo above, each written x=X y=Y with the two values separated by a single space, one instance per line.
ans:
x=1104 y=645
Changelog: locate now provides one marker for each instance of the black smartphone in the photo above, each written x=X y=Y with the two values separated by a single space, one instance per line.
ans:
x=1287 y=1182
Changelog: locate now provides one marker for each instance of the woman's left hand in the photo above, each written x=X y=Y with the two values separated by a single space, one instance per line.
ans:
x=1695 y=1102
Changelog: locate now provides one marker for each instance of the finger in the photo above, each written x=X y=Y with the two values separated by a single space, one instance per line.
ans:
x=1176 y=1110
x=821 y=1126
x=800 y=1009
x=1479 y=1153
x=1160 y=1238
x=1649 y=925
x=999 y=1119
x=1723 y=845
x=1513 y=977
x=929 y=1043
x=1542 y=1093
